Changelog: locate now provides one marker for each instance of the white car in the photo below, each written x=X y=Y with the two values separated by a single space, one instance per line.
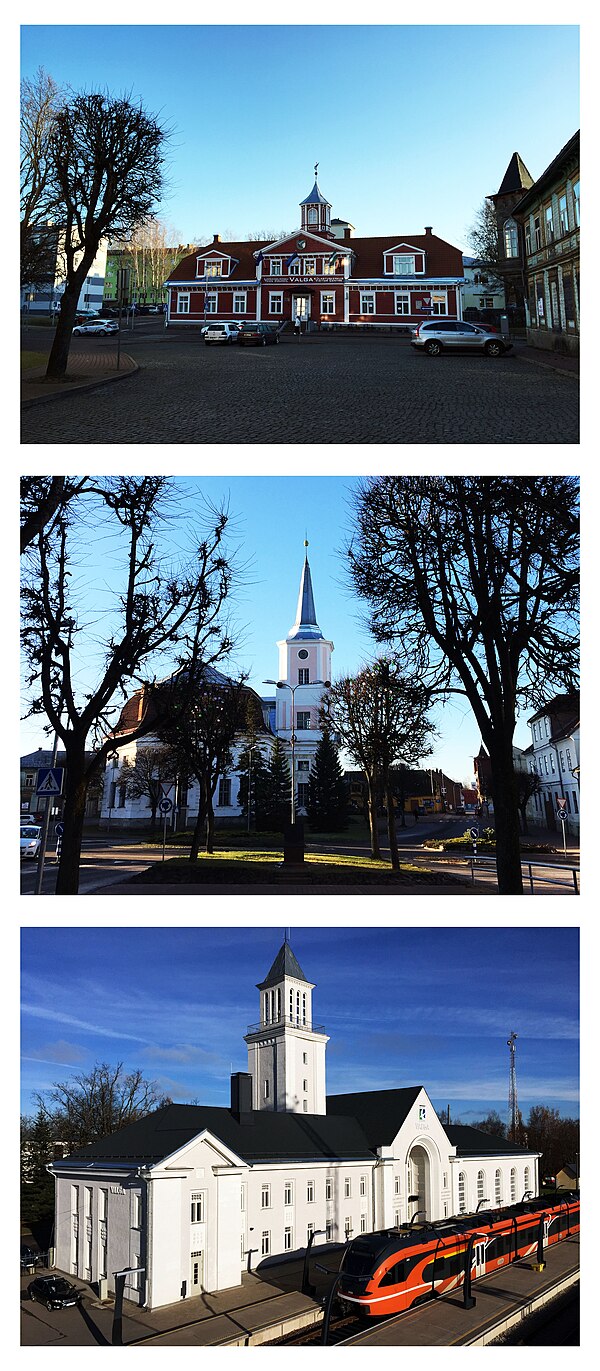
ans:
x=31 y=838
x=221 y=333
x=98 y=326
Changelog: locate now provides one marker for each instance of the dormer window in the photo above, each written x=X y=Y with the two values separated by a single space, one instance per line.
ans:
x=403 y=264
x=214 y=268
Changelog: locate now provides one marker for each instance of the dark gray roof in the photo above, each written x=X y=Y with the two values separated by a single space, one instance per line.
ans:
x=305 y=625
x=285 y=964
x=516 y=176
x=473 y=1142
x=556 y=168
x=380 y=1113
x=255 y=1136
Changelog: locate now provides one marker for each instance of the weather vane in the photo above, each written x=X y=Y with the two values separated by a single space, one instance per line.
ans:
x=316 y=169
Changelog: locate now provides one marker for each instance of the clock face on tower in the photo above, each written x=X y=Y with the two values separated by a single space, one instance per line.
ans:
x=303 y=653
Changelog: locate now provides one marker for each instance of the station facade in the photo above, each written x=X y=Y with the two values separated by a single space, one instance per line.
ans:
x=194 y=1195
x=321 y=274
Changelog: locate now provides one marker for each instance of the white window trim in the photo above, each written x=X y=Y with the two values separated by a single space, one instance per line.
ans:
x=183 y=302
x=211 y=303
x=273 y=296
x=404 y=257
x=401 y=297
x=330 y=296
x=240 y=295
x=364 y=296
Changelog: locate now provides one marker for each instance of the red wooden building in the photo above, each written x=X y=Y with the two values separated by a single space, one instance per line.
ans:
x=320 y=273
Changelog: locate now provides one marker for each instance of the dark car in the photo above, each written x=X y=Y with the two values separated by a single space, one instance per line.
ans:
x=259 y=334
x=54 y=1291
x=29 y=1258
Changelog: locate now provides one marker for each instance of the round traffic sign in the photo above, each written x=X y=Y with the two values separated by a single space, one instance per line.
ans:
x=560 y=814
x=59 y=830
x=474 y=832
x=165 y=806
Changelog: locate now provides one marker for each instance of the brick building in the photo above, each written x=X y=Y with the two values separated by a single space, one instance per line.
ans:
x=320 y=273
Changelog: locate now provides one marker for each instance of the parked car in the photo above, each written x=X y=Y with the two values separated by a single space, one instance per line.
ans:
x=53 y=1291
x=98 y=326
x=259 y=334
x=221 y=333
x=29 y=1258
x=440 y=335
x=31 y=838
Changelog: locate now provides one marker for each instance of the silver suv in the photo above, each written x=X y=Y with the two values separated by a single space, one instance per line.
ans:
x=440 y=335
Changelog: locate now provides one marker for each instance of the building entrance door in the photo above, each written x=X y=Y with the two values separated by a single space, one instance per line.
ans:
x=196 y=1272
x=301 y=307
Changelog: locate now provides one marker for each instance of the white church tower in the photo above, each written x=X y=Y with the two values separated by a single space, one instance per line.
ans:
x=286 y=1052
x=304 y=674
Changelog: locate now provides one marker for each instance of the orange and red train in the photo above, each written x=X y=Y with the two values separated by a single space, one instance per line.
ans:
x=397 y=1268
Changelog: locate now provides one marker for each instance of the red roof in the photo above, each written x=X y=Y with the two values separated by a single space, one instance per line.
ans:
x=442 y=259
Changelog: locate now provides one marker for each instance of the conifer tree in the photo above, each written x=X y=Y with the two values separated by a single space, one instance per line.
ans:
x=279 y=790
x=327 y=796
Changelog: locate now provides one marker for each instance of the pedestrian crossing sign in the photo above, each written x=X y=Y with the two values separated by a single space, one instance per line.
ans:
x=50 y=780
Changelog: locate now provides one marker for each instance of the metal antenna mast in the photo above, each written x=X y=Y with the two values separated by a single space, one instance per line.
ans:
x=513 y=1109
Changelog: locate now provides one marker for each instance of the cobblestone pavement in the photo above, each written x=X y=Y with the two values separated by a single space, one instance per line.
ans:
x=319 y=390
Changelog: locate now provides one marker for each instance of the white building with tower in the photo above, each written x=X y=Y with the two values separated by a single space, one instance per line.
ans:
x=195 y=1195
x=291 y=715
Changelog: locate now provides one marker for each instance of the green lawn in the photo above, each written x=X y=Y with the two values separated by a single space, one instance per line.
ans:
x=29 y=360
x=256 y=865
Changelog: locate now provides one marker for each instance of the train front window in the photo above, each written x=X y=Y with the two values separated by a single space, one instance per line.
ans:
x=357 y=1264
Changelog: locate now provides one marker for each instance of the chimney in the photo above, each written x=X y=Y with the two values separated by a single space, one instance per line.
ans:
x=241 y=1093
x=216 y=237
x=428 y=230
x=347 y=235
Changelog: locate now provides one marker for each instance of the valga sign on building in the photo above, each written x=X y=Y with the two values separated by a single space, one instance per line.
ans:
x=321 y=274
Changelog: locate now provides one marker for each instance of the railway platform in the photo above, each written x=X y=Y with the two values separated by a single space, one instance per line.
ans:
x=271 y=1306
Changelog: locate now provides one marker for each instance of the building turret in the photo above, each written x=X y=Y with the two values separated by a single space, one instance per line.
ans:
x=304 y=674
x=315 y=210
x=286 y=1051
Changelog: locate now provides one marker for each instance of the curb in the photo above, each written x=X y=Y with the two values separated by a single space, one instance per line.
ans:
x=76 y=389
x=549 y=366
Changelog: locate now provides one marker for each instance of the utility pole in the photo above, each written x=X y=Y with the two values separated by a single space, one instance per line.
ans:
x=513 y=1111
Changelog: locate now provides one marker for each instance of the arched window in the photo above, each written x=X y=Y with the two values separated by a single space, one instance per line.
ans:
x=511 y=239
x=498 y=1187
x=462 y=1192
x=312 y=216
x=481 y=1195
x=527 y=1178
x=513 y=1183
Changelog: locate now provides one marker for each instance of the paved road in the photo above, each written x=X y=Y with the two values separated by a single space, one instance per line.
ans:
x=337 y=389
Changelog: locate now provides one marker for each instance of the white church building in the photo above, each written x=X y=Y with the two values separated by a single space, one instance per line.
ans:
x=195 y=1195
x=304 y=674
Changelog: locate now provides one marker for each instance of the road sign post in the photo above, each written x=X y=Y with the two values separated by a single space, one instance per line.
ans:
x=165 y=807
x=561 y=815
x=49 y=787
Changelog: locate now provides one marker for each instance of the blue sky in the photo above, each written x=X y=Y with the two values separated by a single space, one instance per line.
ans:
x=402 y=1006
x=270 y=517
x=411 y=125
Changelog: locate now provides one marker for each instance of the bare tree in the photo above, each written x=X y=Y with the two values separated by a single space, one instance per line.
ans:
x=483 y=237
x=201 y=727
x=42 y=499
x=41 y=99
x=107 y=161
x=475 y=581
x=162 y=610
x=154 y=767
x=381 y=719
x=87 y=1107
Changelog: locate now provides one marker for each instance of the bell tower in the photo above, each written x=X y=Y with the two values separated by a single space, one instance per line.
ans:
x=316 y=211
x=286 y=1051
x=304 y=674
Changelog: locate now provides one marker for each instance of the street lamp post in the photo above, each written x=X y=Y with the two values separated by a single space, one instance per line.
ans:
x=285 y=685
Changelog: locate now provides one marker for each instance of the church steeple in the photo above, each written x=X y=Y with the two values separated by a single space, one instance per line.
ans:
x=305 y=625
x=315 y=210
x=286 y=1052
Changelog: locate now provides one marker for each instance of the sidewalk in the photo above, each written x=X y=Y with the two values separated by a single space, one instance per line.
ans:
x=553 y=361
x=86 y=371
